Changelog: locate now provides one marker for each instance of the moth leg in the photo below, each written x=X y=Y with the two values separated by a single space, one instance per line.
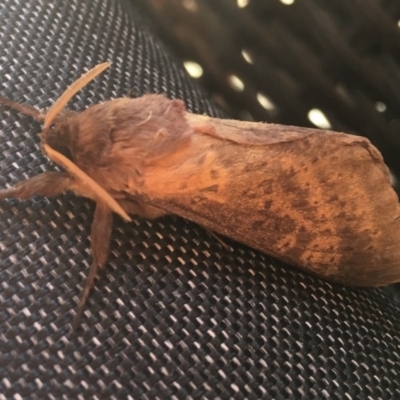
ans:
x=144 y=210
x=100 y=243
x=47 y=184
x=219 y=240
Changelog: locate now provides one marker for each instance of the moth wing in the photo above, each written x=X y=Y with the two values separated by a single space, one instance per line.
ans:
x=249 y=133
x=322 y=203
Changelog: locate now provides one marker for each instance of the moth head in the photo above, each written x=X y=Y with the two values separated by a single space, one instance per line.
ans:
x=58 y=135
x=58 y=131
x=62 y=132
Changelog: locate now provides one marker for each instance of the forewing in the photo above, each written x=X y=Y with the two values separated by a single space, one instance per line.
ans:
x=321 y=202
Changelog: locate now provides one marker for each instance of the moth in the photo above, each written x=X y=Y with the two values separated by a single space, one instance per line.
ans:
x=316 y=199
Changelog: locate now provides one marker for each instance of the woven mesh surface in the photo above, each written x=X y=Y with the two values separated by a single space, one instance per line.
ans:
x=175 y=315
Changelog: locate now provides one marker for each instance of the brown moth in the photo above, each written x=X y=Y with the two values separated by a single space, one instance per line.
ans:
x=316 y=199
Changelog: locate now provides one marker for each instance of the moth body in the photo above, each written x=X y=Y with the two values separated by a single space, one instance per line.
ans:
x=316 y=199
x=319 y=200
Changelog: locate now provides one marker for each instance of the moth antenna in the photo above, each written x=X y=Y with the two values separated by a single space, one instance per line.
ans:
x=23 y=108
x=71 y=91
x=97 y=190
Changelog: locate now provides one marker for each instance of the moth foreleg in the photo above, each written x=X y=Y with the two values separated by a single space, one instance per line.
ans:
x=142 y=209
x=47 y=184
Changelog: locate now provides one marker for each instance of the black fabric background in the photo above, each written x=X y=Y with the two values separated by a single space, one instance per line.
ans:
x=175 y=315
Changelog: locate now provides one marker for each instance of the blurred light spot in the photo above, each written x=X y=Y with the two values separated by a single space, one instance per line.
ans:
x=379 y=106
x=265 y=102
x=190 y=5
x=236 y=83
x=398 y=23
x=242 y=3
x=287 y=2
x=247 y=56
x=318 y=118
x=193 y=69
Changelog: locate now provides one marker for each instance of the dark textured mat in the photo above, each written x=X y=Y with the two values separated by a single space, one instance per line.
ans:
x=175 y=315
